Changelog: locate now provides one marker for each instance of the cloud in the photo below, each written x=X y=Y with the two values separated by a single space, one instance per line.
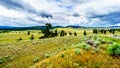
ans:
x=59 y=12
x=4 y=12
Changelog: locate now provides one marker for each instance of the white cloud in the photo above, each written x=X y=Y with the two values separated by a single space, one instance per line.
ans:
x=100 y=7
x=61 y=11
x=116 y=24
x=4 y=12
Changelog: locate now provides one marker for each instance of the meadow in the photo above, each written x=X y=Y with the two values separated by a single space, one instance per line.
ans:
x=17 y=50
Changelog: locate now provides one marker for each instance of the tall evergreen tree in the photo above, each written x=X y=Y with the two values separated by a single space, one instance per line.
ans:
x=75 y=34
x=28 y=33
x=62 y=33
x=85 y=33
x=32 y=37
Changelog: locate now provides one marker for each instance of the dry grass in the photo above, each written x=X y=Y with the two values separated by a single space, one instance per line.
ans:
x=87 y=59
x=21 y=54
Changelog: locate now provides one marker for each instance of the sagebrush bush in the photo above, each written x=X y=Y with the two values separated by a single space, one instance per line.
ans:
x=114 y=49
x=19 y=39
x=96 y=43
x=47 y=55
x=65 y=48
x=77 y=51
x=7 y=66
x=81 y=45
x=87 y=47
x=1 y=60
x=62 y=55
x=36 y=59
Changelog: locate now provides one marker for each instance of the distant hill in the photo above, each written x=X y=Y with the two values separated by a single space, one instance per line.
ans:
x=25 y=28
x=6 y=27
x=43 y=27
x=72 y=26
x=114 y=26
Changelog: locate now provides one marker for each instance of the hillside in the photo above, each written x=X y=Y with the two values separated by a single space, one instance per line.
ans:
x=58 y=52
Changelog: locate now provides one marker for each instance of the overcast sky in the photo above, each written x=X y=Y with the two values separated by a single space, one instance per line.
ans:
x=60 y=12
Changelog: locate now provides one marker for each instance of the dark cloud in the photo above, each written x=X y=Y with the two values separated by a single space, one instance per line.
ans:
x=20 y=5
x=64 y=12
x=112 y=18
x=45 y=14
x=76 y=15
x=11 y=4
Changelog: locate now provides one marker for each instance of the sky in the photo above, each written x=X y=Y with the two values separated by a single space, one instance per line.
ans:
x=91 y=13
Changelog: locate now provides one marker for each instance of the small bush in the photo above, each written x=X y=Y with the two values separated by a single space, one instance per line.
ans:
x=36 y=59
x=62 y=55
x=19 y=39
x=47 y=55
x=70 y=33
x=114 y=49
x=65 y=48
x=7 y=56
x=81 y=45
x=76 y=65
x=96 y=43
x=1 y=60
x=87 y=47
x=77 y=51
x=7 y=66
x=84 y=39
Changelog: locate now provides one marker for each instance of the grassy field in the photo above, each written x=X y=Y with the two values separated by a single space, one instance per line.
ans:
x=57 y=52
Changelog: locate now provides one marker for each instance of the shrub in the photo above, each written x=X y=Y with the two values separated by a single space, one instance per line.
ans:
x=99 y=39
x=1 y=60
x=70 y=33
x=96 y=43
x=95 y=31
x=76 y=65
x=7 y=66
x=36 y=59
x=65 y=48
x=62 y=55
x=117 y=51
x=7 y=56
x=84 y=39
x=77 y=51
x=81 y=45
x=114 y=49
x=87 y=47
x=20 y=38
x=47 y=55
x=62 y=33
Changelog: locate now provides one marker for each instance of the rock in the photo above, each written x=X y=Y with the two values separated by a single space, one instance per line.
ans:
x=90 y=42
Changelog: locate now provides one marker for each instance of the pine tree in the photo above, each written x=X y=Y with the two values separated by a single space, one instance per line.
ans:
x=70 y=33
x=75 y=34
x=85 y=33
x=28 y=33
x=62 y=33
x=32 y=37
